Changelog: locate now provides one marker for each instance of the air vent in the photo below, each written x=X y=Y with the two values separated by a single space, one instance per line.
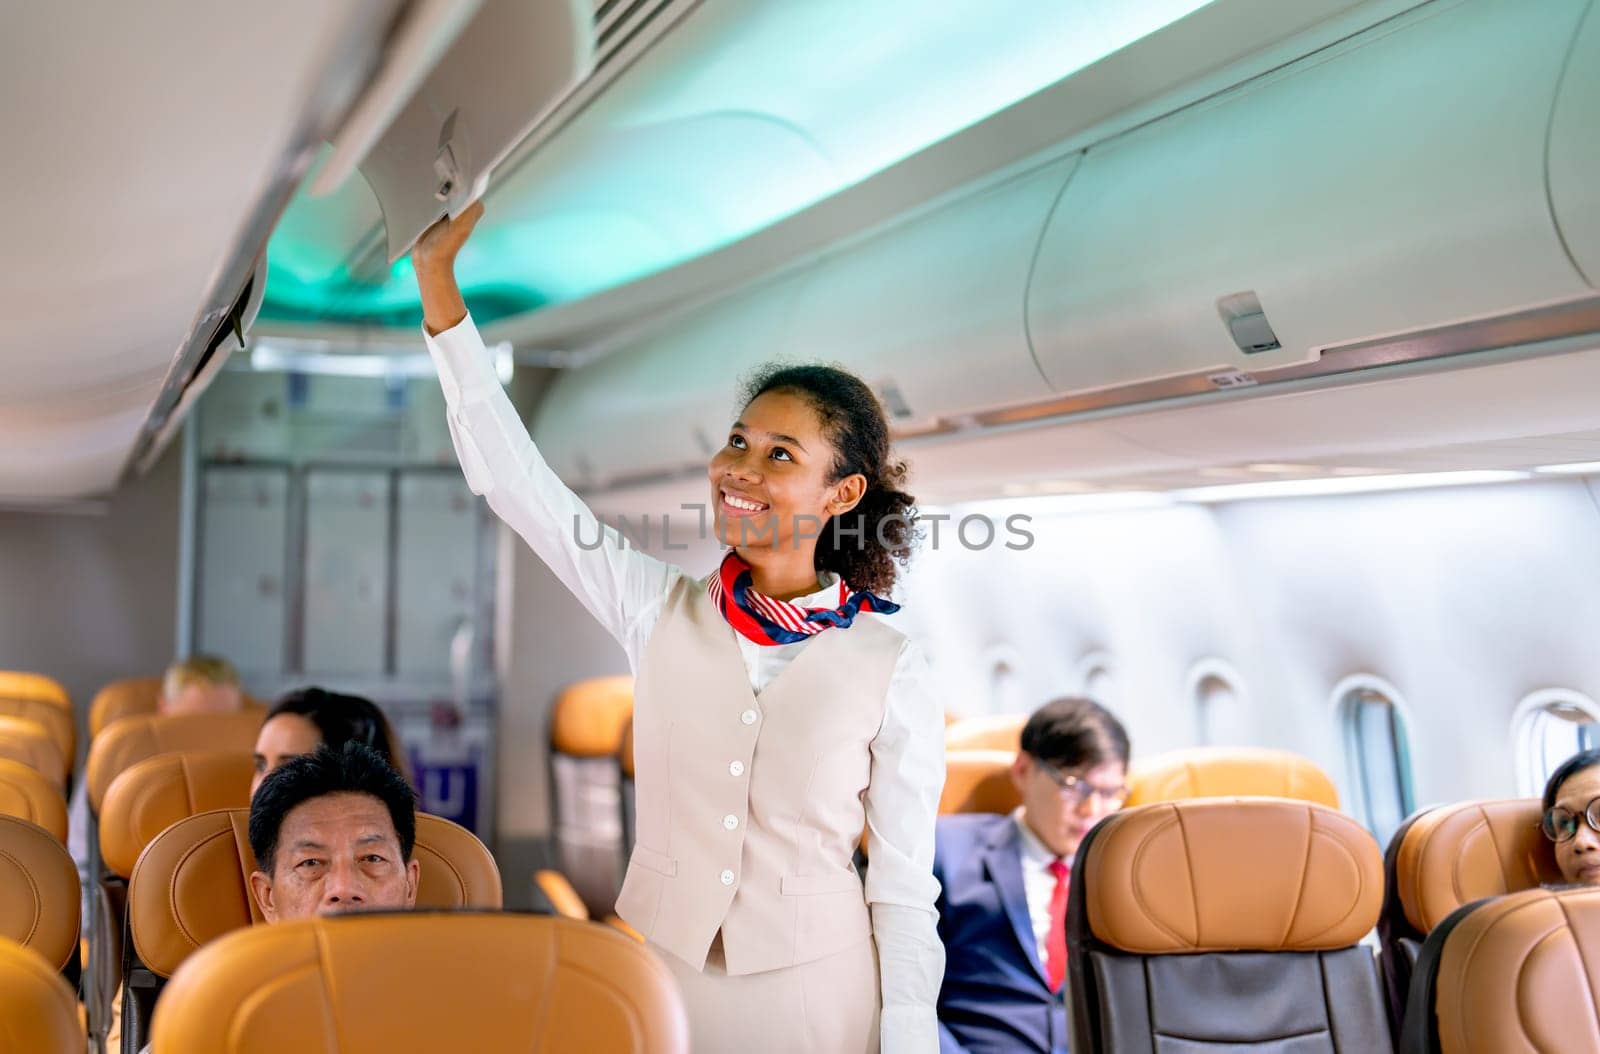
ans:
x=1247 y=323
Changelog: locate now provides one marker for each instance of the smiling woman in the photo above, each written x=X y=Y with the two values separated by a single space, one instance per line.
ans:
x=747 y=708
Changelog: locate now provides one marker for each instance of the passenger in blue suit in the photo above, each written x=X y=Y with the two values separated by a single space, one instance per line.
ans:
x=1005 y=879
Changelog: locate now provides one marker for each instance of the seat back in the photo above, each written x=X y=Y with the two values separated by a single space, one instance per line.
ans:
x=978 y=781
x=54 y=715
x=990 y=732
x=1509 y=975
x=30 y=743
x=26 y=794
x=38 y=1011
x=1225 y=924
x=38 y=891
x=587 y=725
x=156 y=793
x=133 y=739
x=1445 y=857
x=191 y=885
x=514 y=983
x=126 y=698
x=1226 y=772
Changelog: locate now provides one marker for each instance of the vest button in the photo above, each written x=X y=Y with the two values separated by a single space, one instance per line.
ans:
x=736 y=768
x=727 y=878
x=748 y=717
x=730 y=821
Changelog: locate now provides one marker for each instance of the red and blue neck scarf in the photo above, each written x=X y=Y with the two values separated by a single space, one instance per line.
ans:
x=767 y=621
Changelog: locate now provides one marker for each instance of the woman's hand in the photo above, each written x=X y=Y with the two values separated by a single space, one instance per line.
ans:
x=434 y=260
x=437 y=248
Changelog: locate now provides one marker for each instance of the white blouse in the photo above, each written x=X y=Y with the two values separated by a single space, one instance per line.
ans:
x=624 y=588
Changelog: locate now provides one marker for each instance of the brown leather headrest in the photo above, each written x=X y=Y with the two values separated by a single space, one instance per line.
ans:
x=1231 y=874
x=424 y=981
x=1227 y=772
x=15 y=684
x=53 y=715
x=38 y=891
x=590 y=716
x=133 y=739
x=30 y=743
x=1454 y=854
x=191 y=885
x=27 y=795
x=38 y=1011
x=1518 y=975
x=156 y=793
x=978 y=781
x=126 y=698
x=996 y=732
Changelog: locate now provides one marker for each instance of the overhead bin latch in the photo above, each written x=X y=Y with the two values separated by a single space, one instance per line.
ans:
x=446 y=168
x=1247 y=323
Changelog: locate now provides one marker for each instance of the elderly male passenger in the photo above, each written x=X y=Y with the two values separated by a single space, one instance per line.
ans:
x=1002 y=912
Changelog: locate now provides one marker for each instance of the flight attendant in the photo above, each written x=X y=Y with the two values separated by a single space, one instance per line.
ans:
x=770 y=720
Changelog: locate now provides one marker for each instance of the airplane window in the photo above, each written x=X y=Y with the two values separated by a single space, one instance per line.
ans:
x=1221 y=713
x=1098 y=679
x=1005 y=680
x=1378 y=751
x=1549 y=727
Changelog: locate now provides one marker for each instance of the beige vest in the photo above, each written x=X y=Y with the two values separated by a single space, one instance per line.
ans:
x=750 y=807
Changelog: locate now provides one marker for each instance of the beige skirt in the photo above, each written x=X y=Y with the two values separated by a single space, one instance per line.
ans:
x=828 y=1006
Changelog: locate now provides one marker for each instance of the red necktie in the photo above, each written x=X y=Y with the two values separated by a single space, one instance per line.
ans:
x=1055 y=942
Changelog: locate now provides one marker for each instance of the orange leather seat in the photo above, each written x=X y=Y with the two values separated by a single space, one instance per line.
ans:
x=564 y=900
x=55 y=716
x=126 y=698
x=513 y=983
x=978 y=781
x=1225 y=924
x=1446 y=857
x=38 y=1011
x=1223 y=772
x=992 y=732
x=30 y=743
x=133 y=739
x=38 y=891
x=1510 y=975
x=16 y=684
x=588 y=723
x=26 y=794
x=156 y=793
x=191 y=885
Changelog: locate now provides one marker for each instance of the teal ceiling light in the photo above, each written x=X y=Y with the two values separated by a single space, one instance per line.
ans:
x=749 y=111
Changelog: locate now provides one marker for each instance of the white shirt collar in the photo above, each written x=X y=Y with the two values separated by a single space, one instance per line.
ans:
x=1034 y=852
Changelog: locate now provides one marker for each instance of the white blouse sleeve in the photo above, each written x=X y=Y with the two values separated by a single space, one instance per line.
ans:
x=902 y=804
x=620 y=586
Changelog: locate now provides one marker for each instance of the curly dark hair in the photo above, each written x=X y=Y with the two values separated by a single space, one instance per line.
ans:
x=881 y=531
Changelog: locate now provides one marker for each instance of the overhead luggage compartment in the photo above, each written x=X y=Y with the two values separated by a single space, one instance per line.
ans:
x=1575 y=151
x=1394 y=182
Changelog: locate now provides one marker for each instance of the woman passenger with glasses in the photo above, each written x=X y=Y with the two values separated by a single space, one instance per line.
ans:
x=1572 y=817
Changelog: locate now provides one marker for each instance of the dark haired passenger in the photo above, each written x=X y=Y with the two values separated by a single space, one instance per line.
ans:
x=303 y=720
x=1002 y=912
x=333 y=832
x=1571 y=817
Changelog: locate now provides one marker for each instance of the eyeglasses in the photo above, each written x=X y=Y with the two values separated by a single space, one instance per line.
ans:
x=1560 y=824
x=1075 y=791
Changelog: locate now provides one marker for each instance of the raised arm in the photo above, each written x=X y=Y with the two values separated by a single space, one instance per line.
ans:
x=620 y=586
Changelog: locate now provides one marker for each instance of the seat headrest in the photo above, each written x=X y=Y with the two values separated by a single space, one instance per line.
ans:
x=990 y=732
x=38 y=1012
x=15 y=684
x=512 y=983
x=38 y=891
x=126 y=698
x=1454 y=854
x=134 y=739
x=1230 y=874
x=1517 y=974
x=55 y=717
x=156 y=793
x=30 y=743
x=191 y=884
x=589 y=717
x=27 y=795
x=1227 y=772
x=978 y=781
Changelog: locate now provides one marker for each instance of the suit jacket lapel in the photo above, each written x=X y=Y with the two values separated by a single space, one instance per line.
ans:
x=1003 y=863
